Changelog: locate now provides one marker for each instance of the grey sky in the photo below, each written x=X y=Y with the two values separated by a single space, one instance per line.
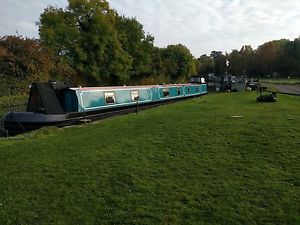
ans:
x=21 y=15
x=201 y=25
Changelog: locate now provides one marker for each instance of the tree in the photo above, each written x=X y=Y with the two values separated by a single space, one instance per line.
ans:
x=289 y=58
x=219 y=61
x=138 y=45
x=205 y=65
x=242 y=62
x=23 y=61
x=178 y=62
x=85 y=36
x=268 y=55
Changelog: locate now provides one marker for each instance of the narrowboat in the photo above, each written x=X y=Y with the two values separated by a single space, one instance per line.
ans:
x=57 y=104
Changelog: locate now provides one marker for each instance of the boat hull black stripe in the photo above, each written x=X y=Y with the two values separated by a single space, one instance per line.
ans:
x=18 y=127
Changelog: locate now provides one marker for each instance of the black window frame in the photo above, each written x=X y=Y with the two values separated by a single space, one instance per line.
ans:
x=114 y=98
x=178 y=91
x=166 y=90
x=138 y=95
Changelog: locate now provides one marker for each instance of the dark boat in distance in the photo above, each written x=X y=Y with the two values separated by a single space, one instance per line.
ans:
x=57 y=104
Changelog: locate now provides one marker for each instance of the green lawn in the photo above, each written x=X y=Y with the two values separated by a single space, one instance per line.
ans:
x=186 y=163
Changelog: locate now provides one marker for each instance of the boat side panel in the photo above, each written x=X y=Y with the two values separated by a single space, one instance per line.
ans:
x=145 y=95
x=173 y=92
x=203 y=88
x=95 y=99
x=155 y=94
x=70 y=101
x=192 y=90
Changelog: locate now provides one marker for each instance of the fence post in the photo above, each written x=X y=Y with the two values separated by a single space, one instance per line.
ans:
x=137 y=107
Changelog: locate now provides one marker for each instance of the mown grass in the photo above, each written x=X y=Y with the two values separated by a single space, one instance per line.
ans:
x=185 y=163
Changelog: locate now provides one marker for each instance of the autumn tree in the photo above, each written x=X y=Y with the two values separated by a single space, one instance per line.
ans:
x=23 y=61
x=268 y=55
x=289 y=58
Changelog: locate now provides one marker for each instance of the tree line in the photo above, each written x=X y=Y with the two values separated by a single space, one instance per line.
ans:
x=88 y=43
x=278 y=58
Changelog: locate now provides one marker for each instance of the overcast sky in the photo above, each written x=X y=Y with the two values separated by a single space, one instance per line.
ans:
x=201 y=25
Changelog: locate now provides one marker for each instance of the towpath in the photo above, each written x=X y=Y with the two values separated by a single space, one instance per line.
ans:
x=292 y=89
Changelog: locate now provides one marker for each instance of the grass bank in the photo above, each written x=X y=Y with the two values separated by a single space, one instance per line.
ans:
x=284 y=81
x=185 y=163
x=6 y=101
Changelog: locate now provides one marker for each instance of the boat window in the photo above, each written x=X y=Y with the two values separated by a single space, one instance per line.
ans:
x=135 y=96
x=166 y=92
x=188 y=90
x=192 y=80
x=178 y=91
x=110 y=97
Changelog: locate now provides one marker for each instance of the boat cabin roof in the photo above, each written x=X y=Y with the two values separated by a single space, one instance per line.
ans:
x=131 y=87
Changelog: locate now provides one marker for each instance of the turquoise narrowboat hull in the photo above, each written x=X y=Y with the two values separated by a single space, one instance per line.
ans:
x=94 y=98
x=49 y=105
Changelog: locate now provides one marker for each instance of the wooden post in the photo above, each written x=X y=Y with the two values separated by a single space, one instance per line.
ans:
x=137 y=107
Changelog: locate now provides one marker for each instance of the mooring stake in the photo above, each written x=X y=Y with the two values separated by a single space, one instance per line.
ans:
x=137 y=107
